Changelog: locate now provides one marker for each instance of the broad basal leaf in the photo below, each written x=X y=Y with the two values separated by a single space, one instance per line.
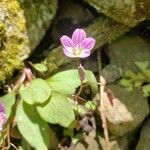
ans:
x=8 y=101
x=37 y=92
x=34 y=130
x=66 y=82
x=57 y=111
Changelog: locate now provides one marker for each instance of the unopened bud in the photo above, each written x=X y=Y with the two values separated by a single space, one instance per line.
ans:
x=81 y=72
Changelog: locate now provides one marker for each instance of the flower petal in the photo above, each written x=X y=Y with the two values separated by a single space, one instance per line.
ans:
x=3 y=119
x=2 y=107
x=78 y=36
x=66 y=41
x=68 y=52
x=88 y=43
x=85 y=53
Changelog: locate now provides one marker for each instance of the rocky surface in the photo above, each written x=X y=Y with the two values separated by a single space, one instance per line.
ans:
x=111 y=73
x=128 y=111
x=70 y=19
x=103 y=29
x=144 y=141
x=121 y=143
x=22 y=26
x=128 y=49
x=129 y=12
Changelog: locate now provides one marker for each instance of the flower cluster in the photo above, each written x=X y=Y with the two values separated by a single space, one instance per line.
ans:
x=79 y=46
x=3 y=117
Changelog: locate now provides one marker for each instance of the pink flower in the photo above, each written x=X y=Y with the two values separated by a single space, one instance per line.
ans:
x=78 y=46
x=3 y=117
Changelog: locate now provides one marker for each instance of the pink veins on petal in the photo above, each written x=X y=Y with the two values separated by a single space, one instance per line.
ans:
x=78 y=46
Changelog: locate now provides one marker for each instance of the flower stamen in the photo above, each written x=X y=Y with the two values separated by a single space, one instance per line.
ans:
x=77 y=51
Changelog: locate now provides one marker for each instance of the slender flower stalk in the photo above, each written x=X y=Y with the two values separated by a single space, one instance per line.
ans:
x=78 y=46
x=3 y=117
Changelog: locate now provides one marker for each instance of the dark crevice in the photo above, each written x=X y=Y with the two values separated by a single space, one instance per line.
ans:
x=63 y=24
x=104 y=55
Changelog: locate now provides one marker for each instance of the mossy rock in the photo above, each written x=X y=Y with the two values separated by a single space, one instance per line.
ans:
x=144 y=143
x=129 y=12
x=22 y=26
x=125 y=51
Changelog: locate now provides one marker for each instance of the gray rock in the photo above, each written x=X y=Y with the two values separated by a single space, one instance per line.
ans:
x=120 y=143
x=129 y=12
x=128 y=111
x=111 y=73
x=22 y=26
x=144 y=142
x=128 y=49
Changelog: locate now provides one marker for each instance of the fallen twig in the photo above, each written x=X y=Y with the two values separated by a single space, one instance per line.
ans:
x=101 y=102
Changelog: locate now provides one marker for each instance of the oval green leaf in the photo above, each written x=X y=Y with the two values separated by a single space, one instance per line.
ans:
x=34 y=130
x=66 y=82
x=57 y=111
x=37 y=92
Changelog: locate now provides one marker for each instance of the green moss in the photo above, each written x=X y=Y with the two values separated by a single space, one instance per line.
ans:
x=18 y=21
x=13 y=7
x=9 y=60
x=2 y=35
x=10 y=48
x=143 y=8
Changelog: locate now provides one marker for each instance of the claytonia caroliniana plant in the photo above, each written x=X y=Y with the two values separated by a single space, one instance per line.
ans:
x=37 y=97
x=3 y=117
x=78 y=46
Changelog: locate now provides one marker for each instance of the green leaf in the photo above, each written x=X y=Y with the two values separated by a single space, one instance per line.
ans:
x=34 y=130
x=140 y=76
x=130 y=74
x=146 y=90
x=57 y=111
x=129 y=89
x=126 y=82
x=66 y=82
x=147 y=74
x=137 y=84
x=2 y=138
x=68 y=132
x=40 y=67
x=80 y=109
x=24 y=145
x=8 y=101
x=77 y=137
x=90 y=105
x=142 y=65
x=36 y=93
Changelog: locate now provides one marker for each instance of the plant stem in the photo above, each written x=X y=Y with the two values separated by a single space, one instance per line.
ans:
x=101 y=103
x=81 y=85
